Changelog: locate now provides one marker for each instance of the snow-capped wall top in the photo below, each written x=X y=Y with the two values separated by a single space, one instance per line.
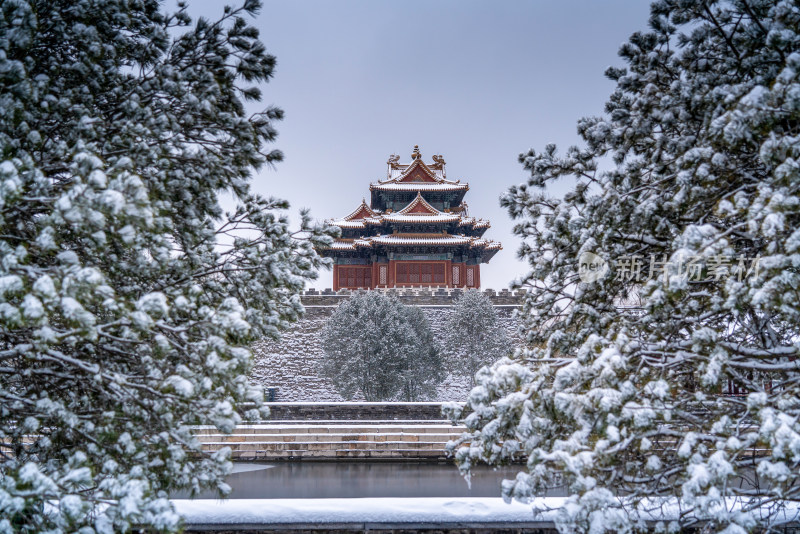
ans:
x=418 y=296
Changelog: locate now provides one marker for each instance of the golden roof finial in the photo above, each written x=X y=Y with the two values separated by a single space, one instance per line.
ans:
x=416 y=154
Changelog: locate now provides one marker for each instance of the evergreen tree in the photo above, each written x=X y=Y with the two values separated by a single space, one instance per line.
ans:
x=424 y=369
x=376 y=346
x=634 y=410
x=127 y=297
x=474 y=338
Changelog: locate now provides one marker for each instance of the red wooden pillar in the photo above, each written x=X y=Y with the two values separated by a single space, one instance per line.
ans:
x=391 y=280
x=336 y=277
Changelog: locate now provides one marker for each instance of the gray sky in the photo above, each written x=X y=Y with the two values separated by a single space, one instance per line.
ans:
x=476 y=81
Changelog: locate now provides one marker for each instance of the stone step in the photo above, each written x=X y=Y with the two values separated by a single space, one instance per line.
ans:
x=243 y=438
x=406 y=454
x=325 y=445
x=337 y=429
x=322 y=440
x=302 y=422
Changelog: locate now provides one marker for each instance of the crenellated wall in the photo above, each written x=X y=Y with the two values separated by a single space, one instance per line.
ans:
x=292 y=363
x=415 y=296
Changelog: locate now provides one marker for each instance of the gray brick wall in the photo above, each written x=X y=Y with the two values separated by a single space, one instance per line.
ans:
x=291 y=364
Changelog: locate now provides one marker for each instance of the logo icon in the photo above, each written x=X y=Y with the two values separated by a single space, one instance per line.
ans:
x=591 y=267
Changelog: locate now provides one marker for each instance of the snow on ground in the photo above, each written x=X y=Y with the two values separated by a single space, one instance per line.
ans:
x=367 y=510
x=292 y=363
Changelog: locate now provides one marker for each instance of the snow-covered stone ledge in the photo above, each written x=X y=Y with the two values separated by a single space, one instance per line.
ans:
x=360 y=514
x=442 y=513
x=356 y=411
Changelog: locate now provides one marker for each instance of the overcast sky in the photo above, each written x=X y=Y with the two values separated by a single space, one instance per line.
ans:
x=476 y=81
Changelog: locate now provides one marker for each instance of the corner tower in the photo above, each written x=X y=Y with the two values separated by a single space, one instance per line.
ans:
x=416 y=232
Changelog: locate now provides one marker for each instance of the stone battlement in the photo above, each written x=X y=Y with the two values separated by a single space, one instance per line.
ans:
x=417 y=296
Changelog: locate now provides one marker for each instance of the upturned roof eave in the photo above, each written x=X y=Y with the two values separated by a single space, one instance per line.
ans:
x=418 y=186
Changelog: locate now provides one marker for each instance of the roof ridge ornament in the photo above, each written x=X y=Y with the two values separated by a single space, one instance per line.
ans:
x=439 y=163
x=416 y=154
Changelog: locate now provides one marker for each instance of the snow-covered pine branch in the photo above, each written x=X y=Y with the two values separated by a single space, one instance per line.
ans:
x=695 y=398
x=122 y=321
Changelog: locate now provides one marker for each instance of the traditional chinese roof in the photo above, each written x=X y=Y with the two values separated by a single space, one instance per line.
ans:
x=411 y=239
x=396 y=229
x=418 y=211
x=363 y=211
x=357 y=218
x=488 y=244
x=420 y=207
x=417 y=176
x=413 y=219
x=474 y=222
x=438 y=186
x=422 y=239
x=342 y=245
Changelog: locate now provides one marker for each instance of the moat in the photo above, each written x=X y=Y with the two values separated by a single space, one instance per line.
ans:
x=320 y=480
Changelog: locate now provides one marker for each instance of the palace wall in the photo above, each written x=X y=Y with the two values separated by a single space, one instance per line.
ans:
x=291 y=364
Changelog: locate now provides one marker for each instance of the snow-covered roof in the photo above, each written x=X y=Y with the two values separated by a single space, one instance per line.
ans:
x=420 y=206
x=347 y=224
x=413 y=218
x=398 y=170
x=342 y=245
x=358 y=218
x=418 y=218
x=410 y=239
x=429 y=177
x=421 y=239
x=417 y=164
x=475 y=223
x=362 y=211
x=488 y=244
x=418 y=186
x=418 y=177
x=418 y=211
